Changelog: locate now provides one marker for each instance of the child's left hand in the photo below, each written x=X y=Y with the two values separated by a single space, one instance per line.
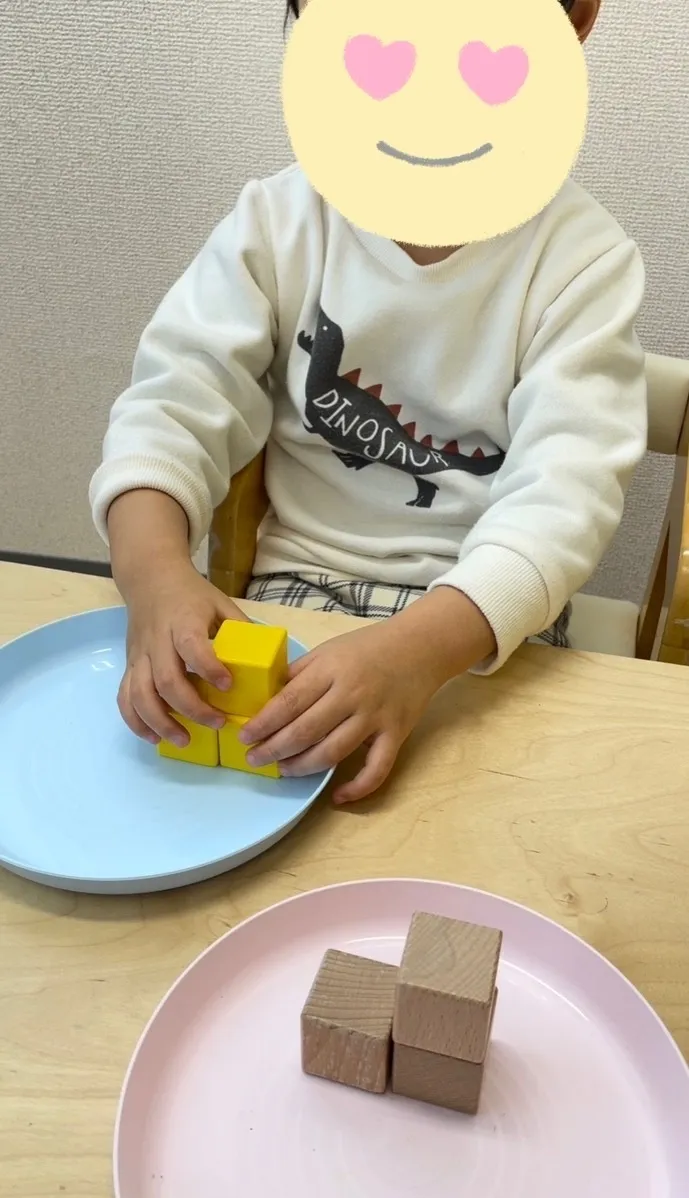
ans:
x=368 y=687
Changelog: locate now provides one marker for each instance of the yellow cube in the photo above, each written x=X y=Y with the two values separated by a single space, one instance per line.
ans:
x=233 y=752
x=256 y=656
x=203 y=748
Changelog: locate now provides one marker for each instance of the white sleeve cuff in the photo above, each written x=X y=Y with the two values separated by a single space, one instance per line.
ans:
x=508 y=590
x=138 y=472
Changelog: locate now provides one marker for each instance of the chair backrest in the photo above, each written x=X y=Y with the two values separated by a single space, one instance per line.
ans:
x=234 y=532
x=668 y=396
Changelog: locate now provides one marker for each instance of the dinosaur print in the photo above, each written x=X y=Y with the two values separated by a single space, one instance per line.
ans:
x=361 y=429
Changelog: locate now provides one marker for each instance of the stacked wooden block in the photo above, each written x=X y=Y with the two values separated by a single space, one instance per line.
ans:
x=444 y=1007
x=256 y=657
x=428 y=1021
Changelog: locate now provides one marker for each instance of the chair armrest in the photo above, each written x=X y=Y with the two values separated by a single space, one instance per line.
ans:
x=234 y=531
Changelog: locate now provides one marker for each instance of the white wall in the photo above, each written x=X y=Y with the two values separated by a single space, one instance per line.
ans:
x=636 y=161
x=127 y=128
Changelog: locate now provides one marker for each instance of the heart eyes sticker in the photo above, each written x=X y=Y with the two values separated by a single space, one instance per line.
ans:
x=379 y=70
x=495 y=76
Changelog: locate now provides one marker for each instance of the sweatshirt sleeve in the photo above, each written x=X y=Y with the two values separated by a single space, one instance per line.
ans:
x=198 y=409
x=577 y=421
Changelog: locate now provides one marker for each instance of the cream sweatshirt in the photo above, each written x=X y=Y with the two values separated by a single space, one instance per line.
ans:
x=472 y=424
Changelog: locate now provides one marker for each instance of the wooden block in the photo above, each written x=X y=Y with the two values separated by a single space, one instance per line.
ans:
x=256 y=656
x=441 y=1081
x=202 y=748
x=233 y=752
x=446 y=987
x=346 y=1023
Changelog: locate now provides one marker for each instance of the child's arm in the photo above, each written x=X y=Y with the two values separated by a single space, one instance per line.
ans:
x=578 y=423
x=149 y=535
x=195 y=414
x=197 y=410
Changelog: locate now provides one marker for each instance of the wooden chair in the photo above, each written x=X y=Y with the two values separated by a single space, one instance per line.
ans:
x=664 y=623
x=660 y=627
x=234 y=531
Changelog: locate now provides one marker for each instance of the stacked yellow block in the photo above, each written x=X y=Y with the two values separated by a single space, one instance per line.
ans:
x=256 y=657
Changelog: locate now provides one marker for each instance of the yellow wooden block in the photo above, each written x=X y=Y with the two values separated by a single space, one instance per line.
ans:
x=203 y=746
x=233 y=752
x=256 y=656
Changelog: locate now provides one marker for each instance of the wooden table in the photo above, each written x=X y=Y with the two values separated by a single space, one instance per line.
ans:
x=562 y=783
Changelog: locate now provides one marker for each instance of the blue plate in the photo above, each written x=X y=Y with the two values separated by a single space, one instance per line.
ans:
x=86 y=806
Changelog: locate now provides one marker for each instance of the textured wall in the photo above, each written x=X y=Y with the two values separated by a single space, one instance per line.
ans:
x=126 y=130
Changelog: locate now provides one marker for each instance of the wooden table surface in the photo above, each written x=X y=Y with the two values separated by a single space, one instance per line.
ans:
x=563 y=783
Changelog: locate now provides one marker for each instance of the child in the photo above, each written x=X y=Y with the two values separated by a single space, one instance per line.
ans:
x=449 y=436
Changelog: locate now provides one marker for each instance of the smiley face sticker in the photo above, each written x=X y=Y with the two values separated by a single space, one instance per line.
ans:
x=435 y=122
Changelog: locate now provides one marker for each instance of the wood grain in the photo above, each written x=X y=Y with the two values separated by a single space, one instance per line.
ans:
x=446 y=986
x=560 y=782
x=346 y=1023
x=441 y=1081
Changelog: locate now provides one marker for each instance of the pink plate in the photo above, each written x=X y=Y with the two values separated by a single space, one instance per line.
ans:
x=586 y=1094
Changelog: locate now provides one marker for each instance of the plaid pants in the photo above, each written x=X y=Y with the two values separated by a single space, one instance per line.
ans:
x=370 y=600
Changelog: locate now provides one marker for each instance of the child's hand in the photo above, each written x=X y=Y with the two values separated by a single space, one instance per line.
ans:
x=358 y=689
x=172 y=620
x=368 y=687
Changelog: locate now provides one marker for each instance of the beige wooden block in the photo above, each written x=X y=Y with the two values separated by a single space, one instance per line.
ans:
x=441 y=1081
x=446 y=987
x=346 y=1023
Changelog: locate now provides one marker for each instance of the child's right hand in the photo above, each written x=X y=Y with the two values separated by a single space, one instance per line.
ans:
x=172 y=620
